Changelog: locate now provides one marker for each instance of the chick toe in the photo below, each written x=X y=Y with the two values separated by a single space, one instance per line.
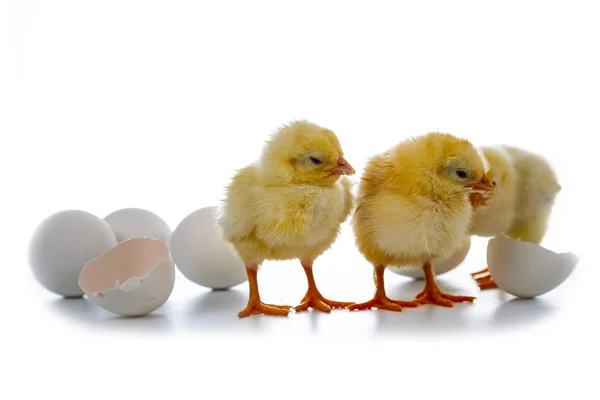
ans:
x=281 y=307
x=484 y=279
x=318 y=302
x=314 y=303
x=441 y=299
x=265 y=309
x=482 y=272
x=433 y=298
x=382 y=303
x=486 y=282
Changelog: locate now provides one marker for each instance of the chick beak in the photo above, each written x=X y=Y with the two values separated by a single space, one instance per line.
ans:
x=343 y=167
x=484 y=184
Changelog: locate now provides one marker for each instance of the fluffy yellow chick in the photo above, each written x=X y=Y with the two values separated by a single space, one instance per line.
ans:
x=414 y=205
x=289 y=204
x=526 y=188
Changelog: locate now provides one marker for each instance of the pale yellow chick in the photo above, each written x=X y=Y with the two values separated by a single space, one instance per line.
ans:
x=289 y=204
x=526 y=189
x=413 y=206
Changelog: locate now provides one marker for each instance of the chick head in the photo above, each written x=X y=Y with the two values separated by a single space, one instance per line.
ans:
x=453 y=164
x=304 y=153
x=461 y=167
x=501 y=172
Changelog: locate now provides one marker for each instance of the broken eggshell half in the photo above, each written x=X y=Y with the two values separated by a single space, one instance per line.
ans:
x=526 y=269
x=134 y=278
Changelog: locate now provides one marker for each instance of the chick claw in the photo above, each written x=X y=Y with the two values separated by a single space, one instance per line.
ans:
x=383 y=303
x=441 y=299
x=265 y=309
x=317 y=302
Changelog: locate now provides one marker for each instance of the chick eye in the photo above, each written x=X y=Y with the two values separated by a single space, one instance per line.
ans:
x=461 y=173
x=494 y=183
x=315 y=160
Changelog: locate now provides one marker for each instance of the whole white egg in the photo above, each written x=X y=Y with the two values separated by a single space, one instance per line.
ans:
x=134 y=278
x=62 y=244
x=136 y=223
x=201 y=255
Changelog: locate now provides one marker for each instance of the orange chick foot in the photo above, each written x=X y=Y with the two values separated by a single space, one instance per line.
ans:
x=486 y=282
x=313 y=299
x=441 y=299
x=432 y=294
x=265 y=309
x=484 y=279
x=482 y=272
x=383 y=303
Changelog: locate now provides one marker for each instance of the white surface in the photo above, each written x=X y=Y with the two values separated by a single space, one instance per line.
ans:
x=107 y=105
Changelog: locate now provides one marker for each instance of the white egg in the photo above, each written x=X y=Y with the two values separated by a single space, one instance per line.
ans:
x=134 y=278
x=136 y=223
x=440 y=266
x=202 y=256
x=526 y=269
x=62 y=244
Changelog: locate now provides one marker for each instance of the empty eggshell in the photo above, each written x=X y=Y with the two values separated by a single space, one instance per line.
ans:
x=136 y=223
x=134 y=278
x=202 y=256
x=62 y=244
x=440 y=266
x=525 y=269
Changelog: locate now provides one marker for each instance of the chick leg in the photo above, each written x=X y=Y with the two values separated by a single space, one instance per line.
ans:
x=432 y=294
x=255 y=306
x=313 y=298
x=380 y=299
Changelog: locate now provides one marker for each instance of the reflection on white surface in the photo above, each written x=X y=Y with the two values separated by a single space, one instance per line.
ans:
x=520 y=312
x=216 y=312
x=82 y=312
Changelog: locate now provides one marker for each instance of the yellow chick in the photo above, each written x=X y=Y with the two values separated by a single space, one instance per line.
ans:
x=496 y=213
x=414 y=205
x=288 y=205
x=526 y=188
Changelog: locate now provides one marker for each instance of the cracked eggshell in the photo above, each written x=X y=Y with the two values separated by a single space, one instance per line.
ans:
x=134 y=278
x=525 y=269
x=202 y=256
x=62 y=244
x=440 y=266
x=132 y=223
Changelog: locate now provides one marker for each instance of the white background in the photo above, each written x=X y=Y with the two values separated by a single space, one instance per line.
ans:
x=113 y=104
